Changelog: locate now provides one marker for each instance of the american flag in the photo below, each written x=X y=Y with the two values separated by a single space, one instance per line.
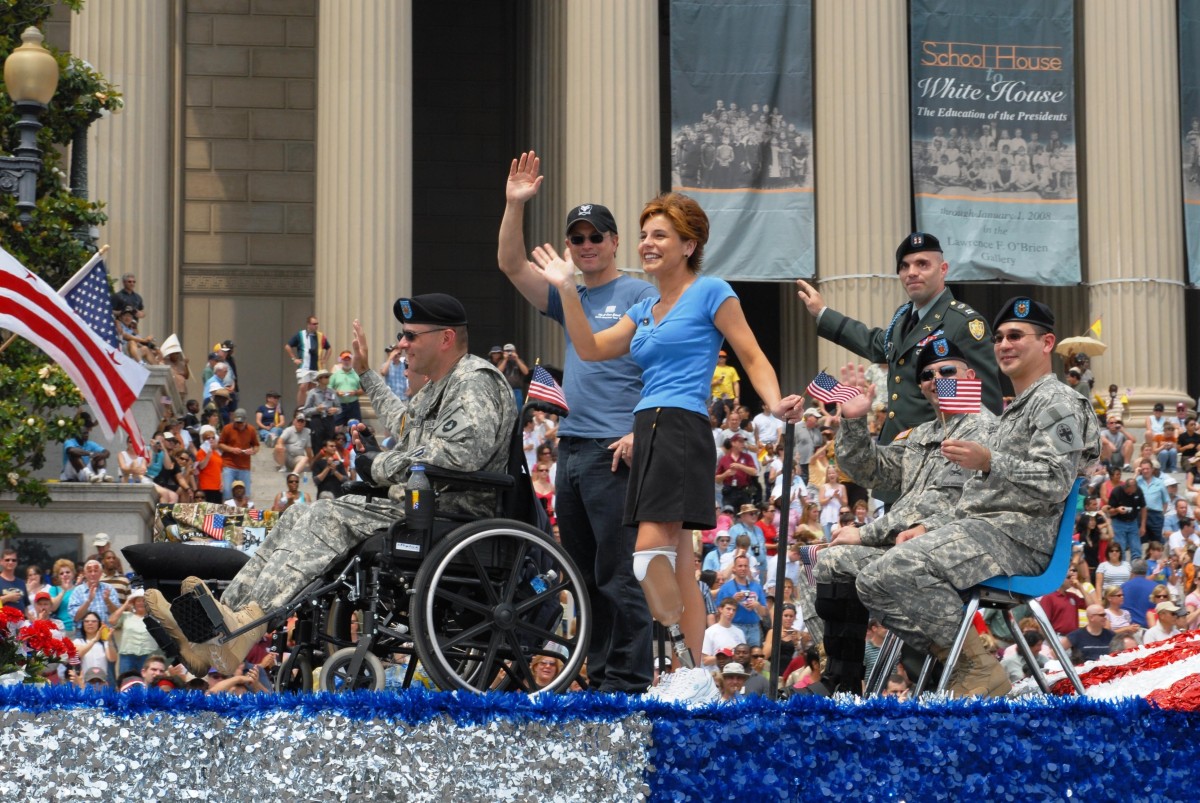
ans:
x=827 y=389
x=543 y=388
x=959 y=395
x=108 y=380
x=254 y=515
x=214 y=526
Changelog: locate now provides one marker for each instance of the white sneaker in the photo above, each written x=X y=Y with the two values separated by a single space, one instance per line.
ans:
x=688 y=687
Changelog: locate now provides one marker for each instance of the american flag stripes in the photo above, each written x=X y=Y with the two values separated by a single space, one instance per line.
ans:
x=214 y=526
x=543 y=388
x=827 y=389
x=108 y=380
x=959 y=395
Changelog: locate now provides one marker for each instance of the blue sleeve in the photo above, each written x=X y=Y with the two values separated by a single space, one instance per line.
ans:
x=554 y=308
x=294 y=342
x=716 y=291
x=639 y=311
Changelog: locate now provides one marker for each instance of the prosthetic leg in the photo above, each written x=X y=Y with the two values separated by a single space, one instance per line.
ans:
x=655 y=570
x=846 y=621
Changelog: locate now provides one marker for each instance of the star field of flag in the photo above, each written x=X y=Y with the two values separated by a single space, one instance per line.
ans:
x=89 y=296
x=827 y=389
x=959 y=395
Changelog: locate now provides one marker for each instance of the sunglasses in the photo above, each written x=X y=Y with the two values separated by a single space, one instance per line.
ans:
x=943 y=370
x=411 y=336
x=595 y=238
x=1012 y=336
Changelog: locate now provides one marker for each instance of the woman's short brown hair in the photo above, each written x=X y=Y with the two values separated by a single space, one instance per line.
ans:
x=686 y=217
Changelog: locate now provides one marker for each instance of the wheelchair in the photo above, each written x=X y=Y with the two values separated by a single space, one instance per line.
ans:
x=467 y=605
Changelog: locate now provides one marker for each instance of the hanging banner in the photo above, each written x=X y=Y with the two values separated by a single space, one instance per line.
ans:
x=1189 y=117
x=993 y=137
x=741 y=132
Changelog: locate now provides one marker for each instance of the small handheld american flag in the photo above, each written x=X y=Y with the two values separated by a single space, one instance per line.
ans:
x=959 y=395
x=542 y=387
x=827 y=389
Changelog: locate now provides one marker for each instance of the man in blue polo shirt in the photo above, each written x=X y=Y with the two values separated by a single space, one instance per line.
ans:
x=751 y=600
x=595 y=440
x=1157 y=501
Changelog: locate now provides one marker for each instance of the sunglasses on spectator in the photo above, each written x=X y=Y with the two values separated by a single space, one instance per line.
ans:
x=943 y=370
x=595 y=238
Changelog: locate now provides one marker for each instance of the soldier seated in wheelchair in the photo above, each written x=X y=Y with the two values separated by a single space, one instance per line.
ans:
x=461 y=420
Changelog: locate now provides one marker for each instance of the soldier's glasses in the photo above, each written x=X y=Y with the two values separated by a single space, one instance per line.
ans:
x=1012 y=336
x=943 y=370
x=595 y=238
x=410 y=335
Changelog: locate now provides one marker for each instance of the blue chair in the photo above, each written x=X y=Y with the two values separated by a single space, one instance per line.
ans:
x=1003 y=593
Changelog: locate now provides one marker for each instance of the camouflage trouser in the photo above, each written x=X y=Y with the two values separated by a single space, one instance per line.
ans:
x=806 y=594
x=842 y=563
x=307 y=539
x=914 y=587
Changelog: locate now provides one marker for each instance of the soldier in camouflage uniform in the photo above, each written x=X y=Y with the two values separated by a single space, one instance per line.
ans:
x=1006 y=519
x=912 y=466
x=463 y=420
x=931 y=306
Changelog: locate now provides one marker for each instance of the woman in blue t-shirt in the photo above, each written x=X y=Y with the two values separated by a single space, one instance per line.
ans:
x=674 y=338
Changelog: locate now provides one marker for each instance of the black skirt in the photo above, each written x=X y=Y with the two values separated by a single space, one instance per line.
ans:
x=673 y=475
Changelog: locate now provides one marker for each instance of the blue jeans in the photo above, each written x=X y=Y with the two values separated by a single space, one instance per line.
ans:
x=129 y=663
x=1168 y=461
x=1125 y=533
x=228 y=475
x=589 y=502
x=752 y=631
x=1154 y=525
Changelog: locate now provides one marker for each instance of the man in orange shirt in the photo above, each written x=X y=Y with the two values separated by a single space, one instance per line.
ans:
x=238 y=442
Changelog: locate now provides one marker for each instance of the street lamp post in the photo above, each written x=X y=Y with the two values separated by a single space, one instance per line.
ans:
x=31 y=76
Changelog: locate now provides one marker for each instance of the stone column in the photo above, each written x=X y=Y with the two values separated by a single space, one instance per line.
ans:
x=364 y=167
x=1134 y=244
x=131 y=43
x=862 y=170
x=538 y=336
x=612 y=111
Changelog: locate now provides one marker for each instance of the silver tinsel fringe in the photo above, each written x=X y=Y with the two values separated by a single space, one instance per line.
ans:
x=81 y=754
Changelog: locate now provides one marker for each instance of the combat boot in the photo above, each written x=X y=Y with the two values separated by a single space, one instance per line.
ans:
x=226 y=657
x=977 y=673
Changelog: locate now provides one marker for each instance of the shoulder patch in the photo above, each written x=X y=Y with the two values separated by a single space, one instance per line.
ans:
x=903 y=435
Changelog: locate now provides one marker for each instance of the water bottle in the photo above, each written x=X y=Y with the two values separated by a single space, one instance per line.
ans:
x=418 y=500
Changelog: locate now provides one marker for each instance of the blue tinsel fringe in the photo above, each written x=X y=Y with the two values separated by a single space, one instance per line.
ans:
x=808 y=747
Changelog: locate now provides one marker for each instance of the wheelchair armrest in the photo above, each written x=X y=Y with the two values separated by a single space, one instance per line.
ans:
x=487 y=480
x=360 y=488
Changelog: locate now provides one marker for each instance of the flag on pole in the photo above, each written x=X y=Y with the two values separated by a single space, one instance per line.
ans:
x=1094 y=330
x=543 y=388
x=827 y=389
x=214 y=526
x=959 y=395
x=88 y=294
x=108 y=380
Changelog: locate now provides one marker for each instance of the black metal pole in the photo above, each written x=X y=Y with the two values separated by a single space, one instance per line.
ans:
x=785 y=510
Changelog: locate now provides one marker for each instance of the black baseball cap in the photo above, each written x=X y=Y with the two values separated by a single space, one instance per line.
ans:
x=597 y=215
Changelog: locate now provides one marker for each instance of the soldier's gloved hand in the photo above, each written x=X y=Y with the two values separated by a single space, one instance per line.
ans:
x=362 y=465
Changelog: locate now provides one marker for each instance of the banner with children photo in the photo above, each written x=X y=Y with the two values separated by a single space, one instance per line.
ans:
x=993 y=136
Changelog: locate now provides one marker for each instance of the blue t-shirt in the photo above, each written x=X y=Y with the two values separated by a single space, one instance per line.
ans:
x=602 y=395
x=744 y=615
x=679 y=353
x=73 y=443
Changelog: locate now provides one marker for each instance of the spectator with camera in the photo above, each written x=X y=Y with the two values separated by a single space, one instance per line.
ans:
x=751 y=600
x=329 y=471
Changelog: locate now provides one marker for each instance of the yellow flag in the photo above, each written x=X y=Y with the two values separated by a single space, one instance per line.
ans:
x=1094 y=329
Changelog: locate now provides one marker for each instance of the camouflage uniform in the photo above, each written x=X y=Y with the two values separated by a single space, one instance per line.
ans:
x=911 y=465
x=463 y=421
x=1004 y=524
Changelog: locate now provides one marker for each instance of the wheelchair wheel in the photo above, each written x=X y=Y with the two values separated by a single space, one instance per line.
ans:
x=487 y=605
x=295 y=675
x=335 y=673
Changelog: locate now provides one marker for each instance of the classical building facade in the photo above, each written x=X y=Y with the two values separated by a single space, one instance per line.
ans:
x=278 y=158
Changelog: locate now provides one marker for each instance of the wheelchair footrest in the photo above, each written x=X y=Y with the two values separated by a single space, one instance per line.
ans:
x=193 y=618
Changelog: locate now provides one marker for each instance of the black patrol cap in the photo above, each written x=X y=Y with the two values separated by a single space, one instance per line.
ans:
x=915 y=242
x=438 y=309
x=1025 y=310
x=597 y=215
x=938 y=349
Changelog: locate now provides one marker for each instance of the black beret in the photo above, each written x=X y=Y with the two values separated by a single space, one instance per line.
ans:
x=938 y=349
x=438 y=309
x=597 y=215
x=915 y=242
x=1025 y=310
